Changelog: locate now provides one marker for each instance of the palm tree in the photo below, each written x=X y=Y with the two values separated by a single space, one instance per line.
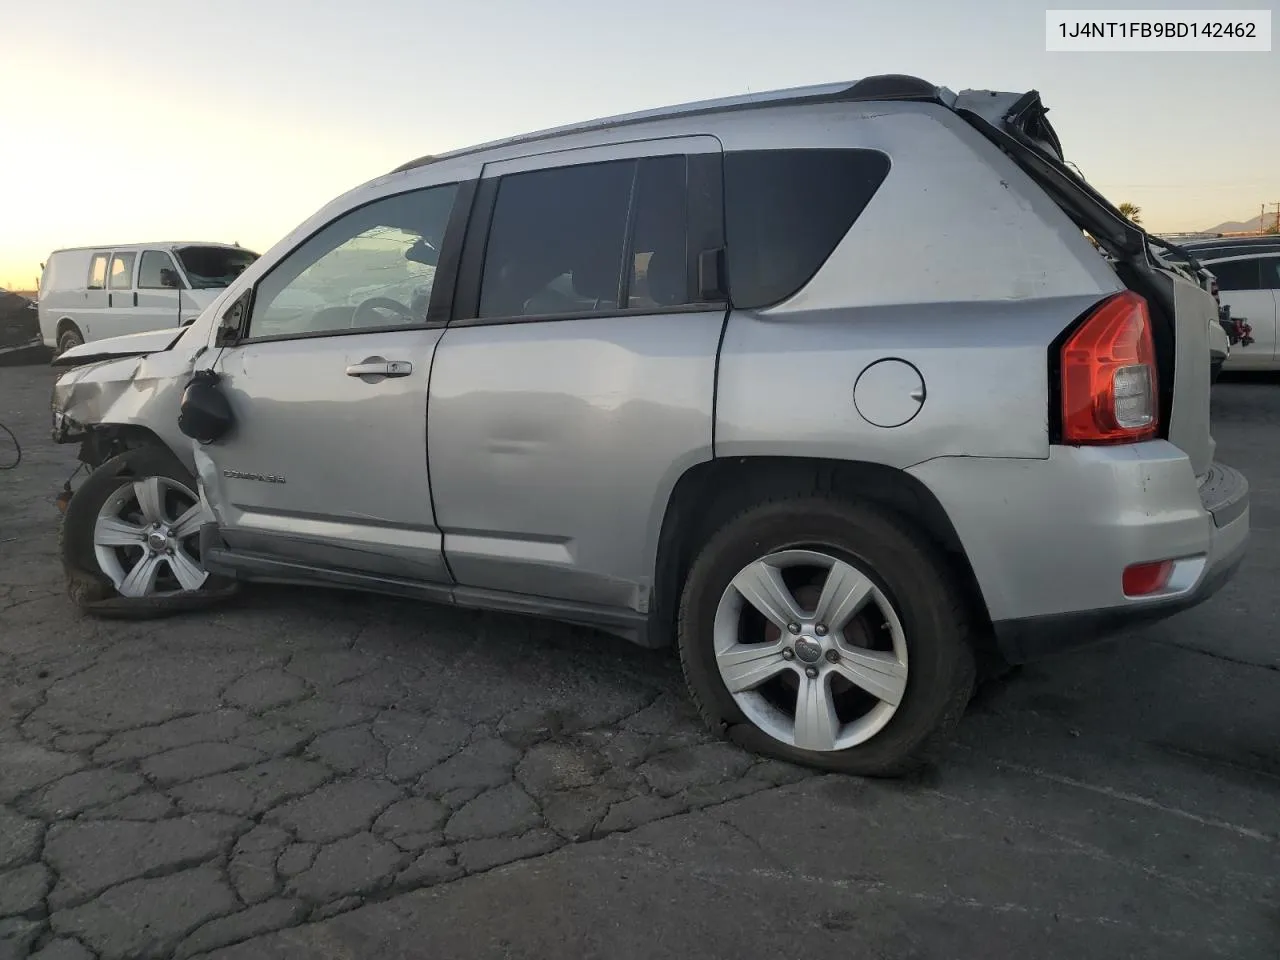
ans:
x=1131 y=211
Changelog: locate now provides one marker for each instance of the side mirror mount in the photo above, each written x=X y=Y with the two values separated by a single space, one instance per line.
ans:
x=204 y=414
x=169 y=278
x=231 y=325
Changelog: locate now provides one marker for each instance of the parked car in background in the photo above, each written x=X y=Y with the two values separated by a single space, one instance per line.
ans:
x=826 y=387
x=1246 y=271
x=92 y=293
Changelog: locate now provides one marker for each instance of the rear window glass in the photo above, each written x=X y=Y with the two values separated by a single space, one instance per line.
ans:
x=785 y=211
x=1235 y=274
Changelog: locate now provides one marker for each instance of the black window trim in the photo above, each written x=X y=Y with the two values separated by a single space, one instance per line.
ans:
x=133 y=270
x=466 y=304
x=106 y=270
x=442 y=284
x=172 y=265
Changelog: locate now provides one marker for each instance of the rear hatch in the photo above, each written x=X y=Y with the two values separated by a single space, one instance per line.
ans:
x=1180 y=310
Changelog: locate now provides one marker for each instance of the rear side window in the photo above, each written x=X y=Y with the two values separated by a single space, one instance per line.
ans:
x=589 y=239
x=121 y=271
x=98 y=272
x=785 y=211
x=1235 y=274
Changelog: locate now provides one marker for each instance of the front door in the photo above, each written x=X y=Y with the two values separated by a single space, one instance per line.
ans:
x=327 y=462
x=158 y=291
x=575 y=383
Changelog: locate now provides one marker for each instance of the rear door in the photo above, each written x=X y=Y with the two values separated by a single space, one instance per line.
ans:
x=122 y=297
x=575 y=383
x=1181 y=310
x=92 y=317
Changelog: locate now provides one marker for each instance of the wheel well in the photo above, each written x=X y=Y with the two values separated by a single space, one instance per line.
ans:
x=104 y=441
x=64 y=324
x=710 y=493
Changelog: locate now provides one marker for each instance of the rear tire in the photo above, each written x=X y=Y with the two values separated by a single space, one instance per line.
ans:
x=908 y=641
x=98 y=570
x=69 y=338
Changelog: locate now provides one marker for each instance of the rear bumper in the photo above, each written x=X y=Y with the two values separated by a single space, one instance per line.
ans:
x=1049 y=540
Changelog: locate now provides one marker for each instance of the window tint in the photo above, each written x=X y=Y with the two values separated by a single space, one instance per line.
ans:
x=98 y=272
x=659 y=264
x=1271 y=273
x=121 y=271
x=373 y=267
x=785 y=211
x=556 y=241
x=153 y=261
x=1235 y=274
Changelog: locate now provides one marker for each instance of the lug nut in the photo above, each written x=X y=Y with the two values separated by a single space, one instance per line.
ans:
x=788 y=654
x=833 y=656
x=811 y=672
x=793 y=628
x=820 y=629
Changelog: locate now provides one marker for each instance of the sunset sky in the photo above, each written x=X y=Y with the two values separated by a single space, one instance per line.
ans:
x=235 y=120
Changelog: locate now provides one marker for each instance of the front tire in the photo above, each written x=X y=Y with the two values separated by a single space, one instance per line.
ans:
x=829 y=634
x=130 y=539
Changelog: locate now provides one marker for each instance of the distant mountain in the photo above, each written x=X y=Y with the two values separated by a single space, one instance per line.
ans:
x=1236 y=226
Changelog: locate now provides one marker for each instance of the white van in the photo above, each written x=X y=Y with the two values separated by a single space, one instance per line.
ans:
x=92 y=293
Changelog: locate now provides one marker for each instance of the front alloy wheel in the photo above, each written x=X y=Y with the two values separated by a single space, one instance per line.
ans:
x=146 y=538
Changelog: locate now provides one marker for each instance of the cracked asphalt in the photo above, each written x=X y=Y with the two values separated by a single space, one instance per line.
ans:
x=306 y=774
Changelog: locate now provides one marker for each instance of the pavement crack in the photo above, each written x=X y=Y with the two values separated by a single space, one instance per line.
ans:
x=1214 y=654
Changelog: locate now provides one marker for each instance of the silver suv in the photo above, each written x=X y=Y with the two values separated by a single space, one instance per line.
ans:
x=829 y=387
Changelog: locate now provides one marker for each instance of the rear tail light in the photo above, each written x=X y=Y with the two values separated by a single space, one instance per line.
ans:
x=1109 y=375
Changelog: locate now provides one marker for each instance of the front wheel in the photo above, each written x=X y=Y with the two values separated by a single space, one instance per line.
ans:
x=131 y=538
x=829 y=634
x=70 y=338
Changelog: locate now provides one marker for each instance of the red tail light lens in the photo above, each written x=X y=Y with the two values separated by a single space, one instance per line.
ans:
x=1109 y=375
x=1143 y=579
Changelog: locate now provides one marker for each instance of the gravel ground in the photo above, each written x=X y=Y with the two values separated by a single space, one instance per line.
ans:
x=313 y=775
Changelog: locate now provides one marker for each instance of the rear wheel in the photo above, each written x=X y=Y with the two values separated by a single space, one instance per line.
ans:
x=69 y=338
x=131 y=538
x=829 y=634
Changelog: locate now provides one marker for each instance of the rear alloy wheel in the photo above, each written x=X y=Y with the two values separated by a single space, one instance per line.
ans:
x=827 y=633
x=821 y=665
x=131 y=539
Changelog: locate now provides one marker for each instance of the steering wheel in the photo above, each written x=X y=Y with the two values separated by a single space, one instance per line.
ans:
x=363 y=314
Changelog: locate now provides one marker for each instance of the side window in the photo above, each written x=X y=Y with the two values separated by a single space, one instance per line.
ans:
x=98 y=271
x=121 y=272
x=556 y=241
x=372 y=267
x=785 y=211
x=1271 y=273
x=1235 y=274
x=149 y=270
x=659 y=263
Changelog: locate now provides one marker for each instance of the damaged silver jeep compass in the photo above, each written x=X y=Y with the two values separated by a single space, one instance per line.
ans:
x=828 y=387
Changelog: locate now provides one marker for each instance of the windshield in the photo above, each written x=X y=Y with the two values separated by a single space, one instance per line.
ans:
x=209 y=267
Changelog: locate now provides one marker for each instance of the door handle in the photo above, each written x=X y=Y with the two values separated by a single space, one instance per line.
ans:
x=135 y=298
x=380 y=367
x=109 y=303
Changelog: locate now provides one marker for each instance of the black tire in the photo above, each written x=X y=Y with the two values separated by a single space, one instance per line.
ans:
x=88 y=587
x=69 y=338
x=912 y=574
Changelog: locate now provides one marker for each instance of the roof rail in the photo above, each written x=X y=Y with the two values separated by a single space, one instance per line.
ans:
x=888 y=86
